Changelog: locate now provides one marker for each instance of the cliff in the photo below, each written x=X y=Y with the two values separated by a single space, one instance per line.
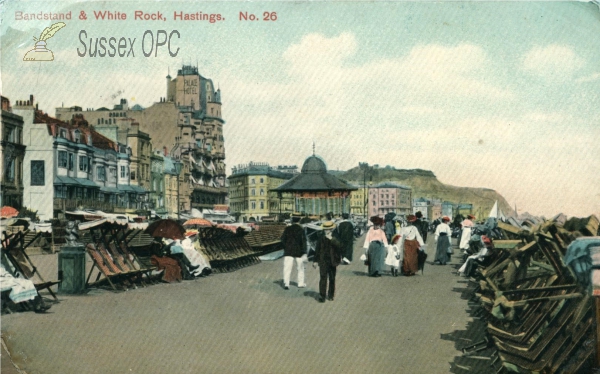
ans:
x=425 y=184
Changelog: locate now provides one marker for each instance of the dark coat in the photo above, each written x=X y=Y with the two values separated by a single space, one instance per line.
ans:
x=294 y=241
x=328 y=251
x=345 y=232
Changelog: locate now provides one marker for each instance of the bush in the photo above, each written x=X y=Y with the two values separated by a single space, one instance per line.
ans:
x=25 y=212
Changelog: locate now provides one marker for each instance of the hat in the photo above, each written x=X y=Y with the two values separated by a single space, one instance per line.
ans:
x=395 y=238
x=419 y=214
x=329 y=225
x=411 y=218
x=470 y=216
x=376 y=220
x=446 y=219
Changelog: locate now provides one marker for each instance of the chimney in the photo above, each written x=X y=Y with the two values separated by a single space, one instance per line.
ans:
x=31 y=99
x=165 y=151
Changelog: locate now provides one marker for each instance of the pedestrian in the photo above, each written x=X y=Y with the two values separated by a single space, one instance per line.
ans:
x=411 y=243
x=390 y=228
x=345 y=233
x=443 y=234
x=422 y=225
x=375 y=242
x=294 y=250
x=328 y=255
x=465 y=235
x=394 y=256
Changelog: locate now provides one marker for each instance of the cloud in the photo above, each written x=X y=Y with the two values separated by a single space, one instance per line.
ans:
x=590 y=78
x=553 y=62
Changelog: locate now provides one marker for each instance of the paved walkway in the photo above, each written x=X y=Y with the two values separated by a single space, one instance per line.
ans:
x=245 y=322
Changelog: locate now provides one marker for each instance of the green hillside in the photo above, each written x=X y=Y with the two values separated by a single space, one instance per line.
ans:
x=425 y=184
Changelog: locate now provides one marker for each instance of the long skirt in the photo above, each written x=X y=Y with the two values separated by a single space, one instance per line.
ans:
x=376 y=256
x=410 y=265
x=443 y=250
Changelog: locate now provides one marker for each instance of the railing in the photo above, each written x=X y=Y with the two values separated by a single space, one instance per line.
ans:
x=71 y=204
x=210 y=189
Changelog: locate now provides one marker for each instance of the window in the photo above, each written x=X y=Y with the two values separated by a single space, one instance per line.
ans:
x=262 y=180
x=77 y=136
x=63 y=133
x=253 y=205
x=10 y=170
x=253 y=192
x=62 y=159
x=83 y=163
x=37 y=173
x=133 y=175
x=60 y=192
x=123 y=171
x=70 y=161
x=262 y=205
x=262 y=192
x=252 y=181
x=101 y=172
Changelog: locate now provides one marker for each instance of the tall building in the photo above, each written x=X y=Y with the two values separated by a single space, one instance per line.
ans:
x=251 y=190
x=187 y=121
x=12 y=154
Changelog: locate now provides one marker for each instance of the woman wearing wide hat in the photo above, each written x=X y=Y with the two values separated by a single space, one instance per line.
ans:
x=442 y=238
x=375 y=243
x=411 y=242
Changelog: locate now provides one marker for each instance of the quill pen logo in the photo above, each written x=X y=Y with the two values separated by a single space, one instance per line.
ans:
x=40 y=52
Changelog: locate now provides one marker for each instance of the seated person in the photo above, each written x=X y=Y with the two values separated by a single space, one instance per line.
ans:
x=21 y=290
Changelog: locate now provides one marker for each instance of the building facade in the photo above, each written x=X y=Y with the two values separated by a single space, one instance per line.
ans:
x=421 y=205
x=187 y=122
x=12 y=155
x=252 y=191
x=71 y=166
x=359 y=201
x=389 y=197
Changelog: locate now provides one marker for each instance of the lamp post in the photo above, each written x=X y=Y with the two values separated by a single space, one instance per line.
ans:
x=365 y=191
x=178 y=167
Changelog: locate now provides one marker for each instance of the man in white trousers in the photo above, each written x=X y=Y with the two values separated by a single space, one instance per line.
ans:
x=294 y=250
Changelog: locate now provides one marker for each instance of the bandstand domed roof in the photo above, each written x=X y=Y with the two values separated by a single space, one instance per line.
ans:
x=314 y=165
x=314 y=177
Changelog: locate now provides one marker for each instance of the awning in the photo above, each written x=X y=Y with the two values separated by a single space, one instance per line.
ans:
x=125 y=188
x=139 y=189
x=65 y=180
x=109 y=190
x=86 y=182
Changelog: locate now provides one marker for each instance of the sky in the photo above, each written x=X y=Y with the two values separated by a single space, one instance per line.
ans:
x=502 y=95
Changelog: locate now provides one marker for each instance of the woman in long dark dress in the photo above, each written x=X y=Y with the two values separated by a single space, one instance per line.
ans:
x=442 y=238
x=375 y=242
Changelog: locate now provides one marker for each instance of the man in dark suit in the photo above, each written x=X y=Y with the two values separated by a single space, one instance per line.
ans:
x=345 y=233
x=328 y=255
x=294 y=250
x=421 y=225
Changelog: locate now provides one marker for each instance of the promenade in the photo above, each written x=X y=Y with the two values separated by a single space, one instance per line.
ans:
x=245 y=322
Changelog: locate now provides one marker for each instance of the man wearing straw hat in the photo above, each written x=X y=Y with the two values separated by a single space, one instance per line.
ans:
x=328 y=255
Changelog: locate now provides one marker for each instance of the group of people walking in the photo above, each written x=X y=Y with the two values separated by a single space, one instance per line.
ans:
x=399 y=249
x=402 y=249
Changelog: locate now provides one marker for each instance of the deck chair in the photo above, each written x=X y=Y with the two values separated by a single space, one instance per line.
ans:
x=14 y=248
x=106 y=267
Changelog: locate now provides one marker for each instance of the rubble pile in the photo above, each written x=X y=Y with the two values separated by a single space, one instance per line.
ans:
x=540 y=315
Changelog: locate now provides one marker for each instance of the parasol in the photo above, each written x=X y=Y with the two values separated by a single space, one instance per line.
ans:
x=8 y=212
x=197 y=222
x=166 y=228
